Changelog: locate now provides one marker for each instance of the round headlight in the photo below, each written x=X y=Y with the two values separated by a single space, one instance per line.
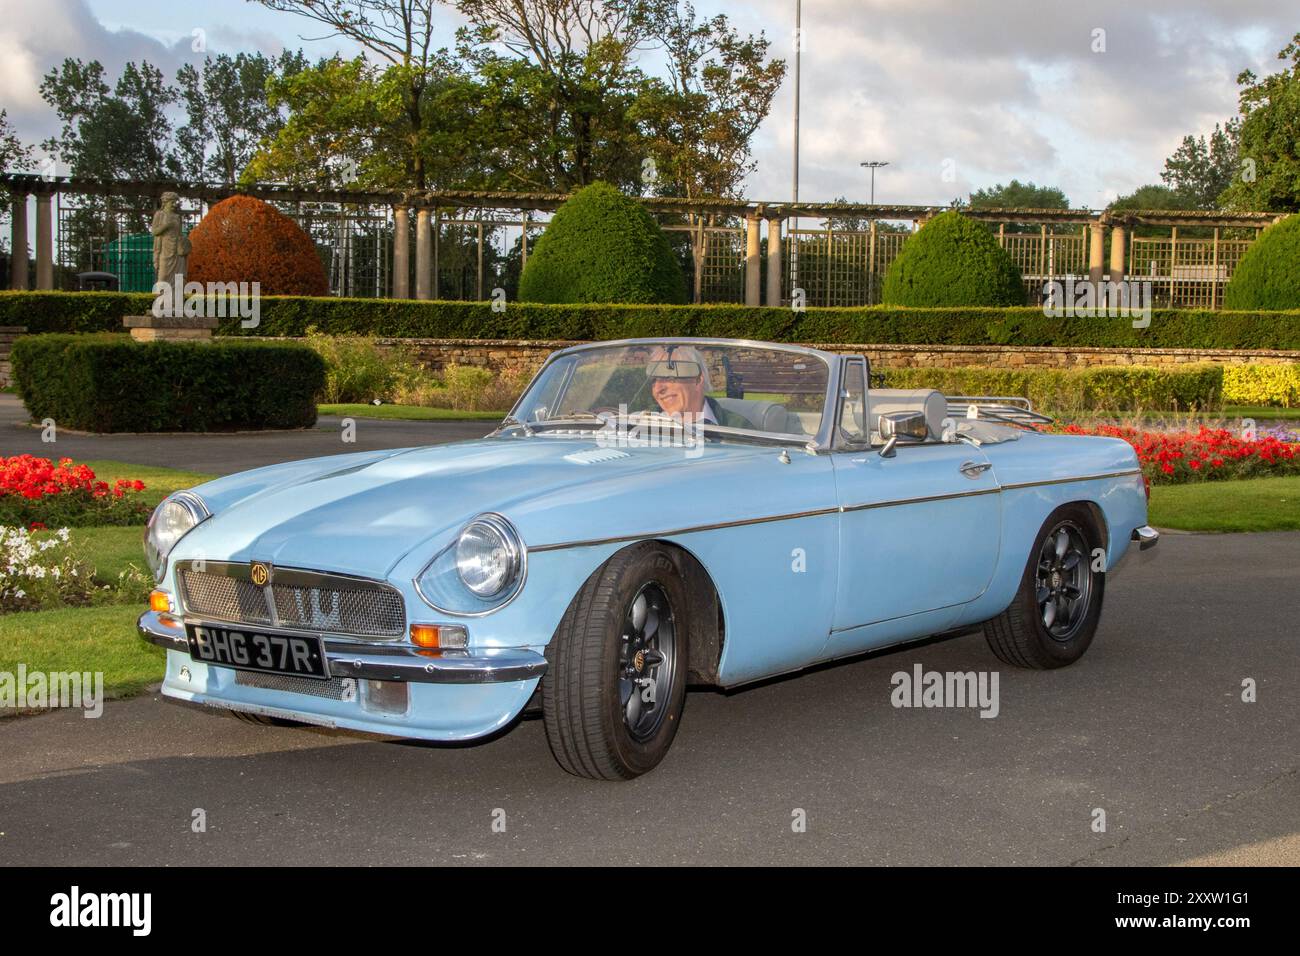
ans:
x=170 y=522
x=488 y=556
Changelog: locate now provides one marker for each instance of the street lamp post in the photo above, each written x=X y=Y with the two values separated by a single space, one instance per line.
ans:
x=873 y=165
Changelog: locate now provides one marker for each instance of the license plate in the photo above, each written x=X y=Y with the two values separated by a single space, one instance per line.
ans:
x=299 y=655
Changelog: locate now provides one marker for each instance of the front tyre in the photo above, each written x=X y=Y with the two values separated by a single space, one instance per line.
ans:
x=615 y=682
x=1055 y=613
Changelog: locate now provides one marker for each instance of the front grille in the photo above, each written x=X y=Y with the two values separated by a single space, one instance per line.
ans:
x=224 y=598
x=346 y=610
x=334 y=689
x=303 y=600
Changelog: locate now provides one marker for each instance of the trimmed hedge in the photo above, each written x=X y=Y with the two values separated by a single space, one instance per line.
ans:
x=1119 y=388
x=884 y=325
x=111 y=383
x=952 y=261
x=243 y=239
x=1268 y=276
x=1262 y=385
x=602 y=246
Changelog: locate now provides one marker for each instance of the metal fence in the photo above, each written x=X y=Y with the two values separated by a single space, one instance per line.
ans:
x=481 y=241
x=847 y=268
x=1185 y=273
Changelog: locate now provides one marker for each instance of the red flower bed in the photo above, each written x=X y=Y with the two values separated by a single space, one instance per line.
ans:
x=1207 y=454
x=38 y=491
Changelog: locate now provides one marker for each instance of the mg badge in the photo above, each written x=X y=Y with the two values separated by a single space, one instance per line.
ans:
x=260 y=573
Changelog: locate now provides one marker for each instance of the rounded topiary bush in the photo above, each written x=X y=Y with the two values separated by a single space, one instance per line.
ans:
x=602 y=246
x=243 y=239
x=1268 y=276
x=953 y=261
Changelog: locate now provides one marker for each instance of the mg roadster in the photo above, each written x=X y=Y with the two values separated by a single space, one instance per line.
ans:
x=652 y=513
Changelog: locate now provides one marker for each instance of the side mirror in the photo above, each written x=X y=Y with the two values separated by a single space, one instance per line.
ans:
x=903 y=425
x=895 y=425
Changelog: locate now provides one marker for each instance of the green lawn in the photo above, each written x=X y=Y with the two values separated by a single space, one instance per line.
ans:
x=158 y=482
x=110 y=550
x=101 y=638
x=1258 y=412
x=1255 y=504
x=414 y=413
x=82 y=639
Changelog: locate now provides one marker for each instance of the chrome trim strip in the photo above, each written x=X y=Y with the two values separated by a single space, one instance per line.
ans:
x=415 y=665
x=701 y=340
x=925 y=498
x=619 y=539
x=1065 y=481
x=690 y=530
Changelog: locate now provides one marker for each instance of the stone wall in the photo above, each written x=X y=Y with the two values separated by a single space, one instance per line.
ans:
x=526 y=356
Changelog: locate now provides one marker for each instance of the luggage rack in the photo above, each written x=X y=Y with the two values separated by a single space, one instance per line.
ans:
x=1007 y=409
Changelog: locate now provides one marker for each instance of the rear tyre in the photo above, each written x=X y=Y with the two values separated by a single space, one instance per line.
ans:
x=1057 y=609
x=615 y=682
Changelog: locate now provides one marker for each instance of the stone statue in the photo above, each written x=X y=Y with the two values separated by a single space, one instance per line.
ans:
x=170 y=245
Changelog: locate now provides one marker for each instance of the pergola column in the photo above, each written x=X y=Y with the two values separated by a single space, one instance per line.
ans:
x=753 y=262
x=401 y=253
x=774 y=262
x=18 y=243
x=423 y=254
x=1118 y=248
x=1096 y=252
x=44 y=242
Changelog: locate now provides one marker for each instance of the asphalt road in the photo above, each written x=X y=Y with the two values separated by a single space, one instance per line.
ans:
x=1149 y=727
x=220 y=454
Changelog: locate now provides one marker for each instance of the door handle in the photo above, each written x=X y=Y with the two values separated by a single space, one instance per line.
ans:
x=973 y=469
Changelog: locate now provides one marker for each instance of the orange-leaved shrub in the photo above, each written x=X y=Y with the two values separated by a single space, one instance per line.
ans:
x=243 y=239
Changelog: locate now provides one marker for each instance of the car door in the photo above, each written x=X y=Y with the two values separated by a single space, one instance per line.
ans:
x=920 y=530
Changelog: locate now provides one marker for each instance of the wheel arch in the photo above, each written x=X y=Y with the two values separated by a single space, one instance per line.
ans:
x=708 y=617
x=1099 y=522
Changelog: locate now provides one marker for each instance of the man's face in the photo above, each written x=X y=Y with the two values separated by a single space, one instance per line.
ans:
x=679 y=395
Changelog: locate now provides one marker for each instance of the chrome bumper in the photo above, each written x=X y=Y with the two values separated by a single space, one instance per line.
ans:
x=1146 y=537
x=351 y=658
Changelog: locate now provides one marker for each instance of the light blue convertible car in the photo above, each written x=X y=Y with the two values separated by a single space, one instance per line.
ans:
x=652 y=513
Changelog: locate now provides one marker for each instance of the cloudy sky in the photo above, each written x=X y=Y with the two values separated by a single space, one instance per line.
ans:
x=954 y=95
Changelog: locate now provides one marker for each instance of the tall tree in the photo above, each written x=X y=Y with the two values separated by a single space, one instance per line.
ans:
x=1200 y=169
x=124 y=133
x=399 y=32
x=1155 y=197
x=15 y=156
x=701 y=120
x=566 y=84
x=1268 y=173
x=1017 y=195
x=347 y=124
x=228 y=113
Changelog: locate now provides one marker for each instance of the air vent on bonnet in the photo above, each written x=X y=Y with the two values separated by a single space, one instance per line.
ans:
x=592 y=456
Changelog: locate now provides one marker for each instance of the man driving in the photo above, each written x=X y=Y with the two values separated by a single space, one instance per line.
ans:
x=679 y=382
